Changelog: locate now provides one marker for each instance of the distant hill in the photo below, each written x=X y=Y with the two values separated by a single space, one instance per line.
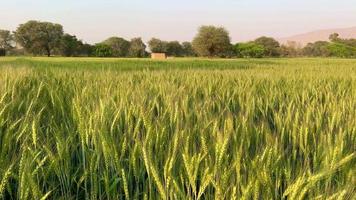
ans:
x=323 y=35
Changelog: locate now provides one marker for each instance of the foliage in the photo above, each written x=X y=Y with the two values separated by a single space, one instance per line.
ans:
x=6 y=40
x=179 y=129
x=45 y=38
x=212 y=42
x=317 y=49
x=103 y=50
x=157 y=46
x=137 y=48
x=270 y=45
x=16 y=52
x=249 y=50
x=70 y=45
x=174 y=48
x=188 y=50
x=342 y=50
x=334 y=37
x=86 y=50
x=338 y=47
x=120 y=46
x=39 y=37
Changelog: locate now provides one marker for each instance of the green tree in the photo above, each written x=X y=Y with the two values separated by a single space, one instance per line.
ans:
x=334 y=37
x=212 y=41
x=137 y=48
x=270 y=45
x=6 y=40
x=341 y=50
x=188 y=50
x=157 y=46
x=70 y=45
x=86 y=50
x=174 y=48
x=317 y=49
x=249 y=50
x=103 y=50
x=120 y=46
x=39 y=37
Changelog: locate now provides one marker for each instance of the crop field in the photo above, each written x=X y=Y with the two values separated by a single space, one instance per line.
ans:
x=89 y=128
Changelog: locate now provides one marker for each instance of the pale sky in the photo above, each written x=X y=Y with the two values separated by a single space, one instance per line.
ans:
x=94 y=20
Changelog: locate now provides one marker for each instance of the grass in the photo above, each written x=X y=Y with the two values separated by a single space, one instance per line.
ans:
x=177 y=129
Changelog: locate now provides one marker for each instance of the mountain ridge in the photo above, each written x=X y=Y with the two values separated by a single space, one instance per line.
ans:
x=319 y=35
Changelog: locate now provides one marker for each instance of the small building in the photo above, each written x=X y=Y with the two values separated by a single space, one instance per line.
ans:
x=158 y=56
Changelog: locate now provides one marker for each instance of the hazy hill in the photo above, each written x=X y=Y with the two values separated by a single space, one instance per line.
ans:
x=305 y=38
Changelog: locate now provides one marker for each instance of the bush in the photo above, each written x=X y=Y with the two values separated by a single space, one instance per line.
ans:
x=317 y=49
x=341 y=50
x=15 y=52
x=249 y=50
x=103 y=50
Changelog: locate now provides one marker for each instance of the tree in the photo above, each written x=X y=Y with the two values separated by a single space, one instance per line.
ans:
x=188 y=50
x=334 y=37
x=39 y=37
x=317 y=49
x=212 y=41
x=249 y=50
x=270 y=45
x=120 y=46
x=6 y=40
x=341 y=50
x=291 y=49
x=86 y=50
x=174 y=48
x=137 y=48
x=103 y=50
x=288 y=51
x=70 y=45
x=157 y=46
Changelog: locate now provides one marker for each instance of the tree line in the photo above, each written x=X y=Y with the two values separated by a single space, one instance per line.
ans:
x=46 y=38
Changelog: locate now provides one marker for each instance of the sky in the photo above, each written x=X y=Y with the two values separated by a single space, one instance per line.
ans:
x=93 y=20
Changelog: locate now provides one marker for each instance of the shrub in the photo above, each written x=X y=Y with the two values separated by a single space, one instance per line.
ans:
x=249 y=50
x=317 y=49
x=341 y=50
x=103 y=50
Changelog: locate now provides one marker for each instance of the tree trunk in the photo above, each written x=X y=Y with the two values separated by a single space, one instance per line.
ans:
x=48 y=51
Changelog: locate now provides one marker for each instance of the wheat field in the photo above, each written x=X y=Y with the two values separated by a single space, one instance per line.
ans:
x=81 y=128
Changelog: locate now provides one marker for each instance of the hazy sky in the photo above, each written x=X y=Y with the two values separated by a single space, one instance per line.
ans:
x=94 y=20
